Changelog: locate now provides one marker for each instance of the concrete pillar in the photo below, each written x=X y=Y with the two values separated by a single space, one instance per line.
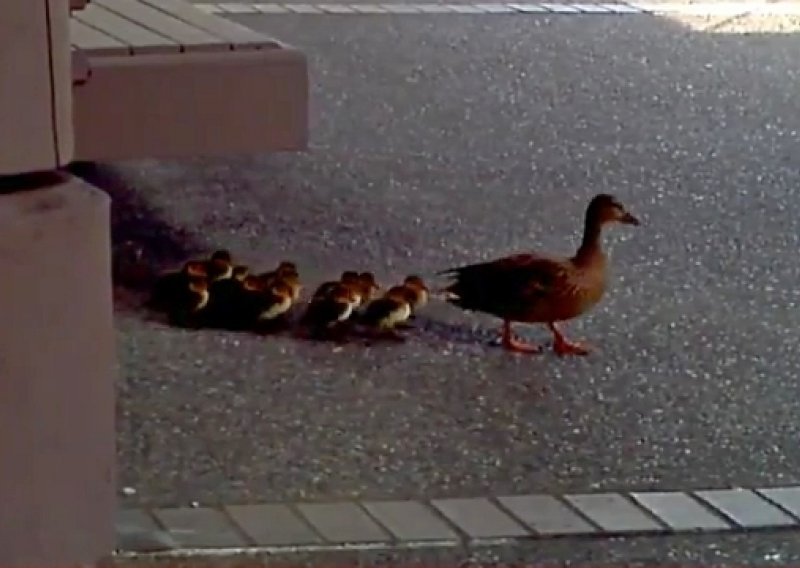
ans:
x=57 y=369
x=57 y=357
x=35 y=86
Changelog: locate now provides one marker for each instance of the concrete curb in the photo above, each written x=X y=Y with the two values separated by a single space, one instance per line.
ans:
x=450 y=522
x=577 y=9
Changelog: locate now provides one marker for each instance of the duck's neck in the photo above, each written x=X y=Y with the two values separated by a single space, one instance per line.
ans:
x=591 y=246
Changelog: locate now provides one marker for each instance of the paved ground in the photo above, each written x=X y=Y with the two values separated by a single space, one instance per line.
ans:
x=445 y=141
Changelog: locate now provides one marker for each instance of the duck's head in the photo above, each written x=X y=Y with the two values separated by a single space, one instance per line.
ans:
x=416 y=283
x=221 y=264
x=369 y=285
x=286 y=268
x=350 y=277
x=605 y=209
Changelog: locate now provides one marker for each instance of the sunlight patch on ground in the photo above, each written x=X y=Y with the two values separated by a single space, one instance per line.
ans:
x=741 y=24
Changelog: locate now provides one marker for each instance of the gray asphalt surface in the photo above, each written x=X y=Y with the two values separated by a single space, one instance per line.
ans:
x=439 y=141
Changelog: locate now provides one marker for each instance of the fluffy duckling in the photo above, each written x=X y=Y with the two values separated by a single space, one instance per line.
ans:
x=367 y=287
x=226 y=298
x=220 y=265
x=419 y=292
x=287 y=273
x=187 y=310
x=348 y=277
x=330 y=311
x=273 y=300
x=385 y=314
x=170 y=287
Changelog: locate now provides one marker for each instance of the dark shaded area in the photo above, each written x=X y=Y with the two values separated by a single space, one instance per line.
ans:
x=134 y=219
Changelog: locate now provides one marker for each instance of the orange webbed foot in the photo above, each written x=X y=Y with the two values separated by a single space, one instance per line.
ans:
x=565 y=347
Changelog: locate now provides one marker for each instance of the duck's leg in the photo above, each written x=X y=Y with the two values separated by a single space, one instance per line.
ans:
x=511 y=343
x=563 y=346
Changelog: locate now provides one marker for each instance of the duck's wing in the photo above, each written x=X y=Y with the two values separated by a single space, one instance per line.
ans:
x=505 y=284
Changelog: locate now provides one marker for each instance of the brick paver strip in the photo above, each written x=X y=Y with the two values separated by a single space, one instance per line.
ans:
x=343 y=523
x=496 y=8
x=137 y=531
x=786 y=497
x=745 y=508
x=546 y=515
x=273 y=525
x=201 y=527
x=478 y=518
x=592 y=8
x=529 y=8
x=613 y=513
x=410 y=521
x=560 y=8
x=680 y=512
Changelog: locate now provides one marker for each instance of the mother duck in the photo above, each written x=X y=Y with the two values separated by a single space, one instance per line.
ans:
x=536 y=288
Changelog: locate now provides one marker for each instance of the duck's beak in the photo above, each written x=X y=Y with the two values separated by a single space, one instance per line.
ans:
x=629 y=219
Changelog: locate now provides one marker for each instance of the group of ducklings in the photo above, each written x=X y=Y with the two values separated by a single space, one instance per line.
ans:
x=216 y=292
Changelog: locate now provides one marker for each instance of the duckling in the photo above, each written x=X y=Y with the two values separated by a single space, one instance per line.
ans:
x=220 y=265
x=273 y=304
x=329 y=312
x=368 y=287
x=419 y=292
x=287 y=274
x=535 y=288
x=385 y=314
x=348 y=277
x=187 y=310
x=226 y=297
x=171 y=286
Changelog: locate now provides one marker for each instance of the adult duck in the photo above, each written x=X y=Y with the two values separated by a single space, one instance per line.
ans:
x=536 y=288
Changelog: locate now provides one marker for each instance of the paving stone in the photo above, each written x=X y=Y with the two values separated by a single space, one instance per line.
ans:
x=201 y=527
x=680 y=512
x=613 y=513
x=529 y=8
x=368 y=9
x=336 y=9
x=303 y=8
x=271 y=8
x=786 y=497
x=464 y=9
x=479 y=518
x=410 y=520
x=496 y=8
x=621 y=8
x=400 y=8
x=208 y=8
x=591 y=8
x=342 y=522
x=434 y=9
x=272 y=525
x=137 y=531
x=745 y=508
x=546 y=515
x=236 y=8
x=560 y=8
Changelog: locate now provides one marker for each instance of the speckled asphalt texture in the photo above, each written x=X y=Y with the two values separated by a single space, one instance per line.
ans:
x=451 y=140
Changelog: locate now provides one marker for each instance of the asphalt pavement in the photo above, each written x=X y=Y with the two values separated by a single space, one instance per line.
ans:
x=439 y=140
